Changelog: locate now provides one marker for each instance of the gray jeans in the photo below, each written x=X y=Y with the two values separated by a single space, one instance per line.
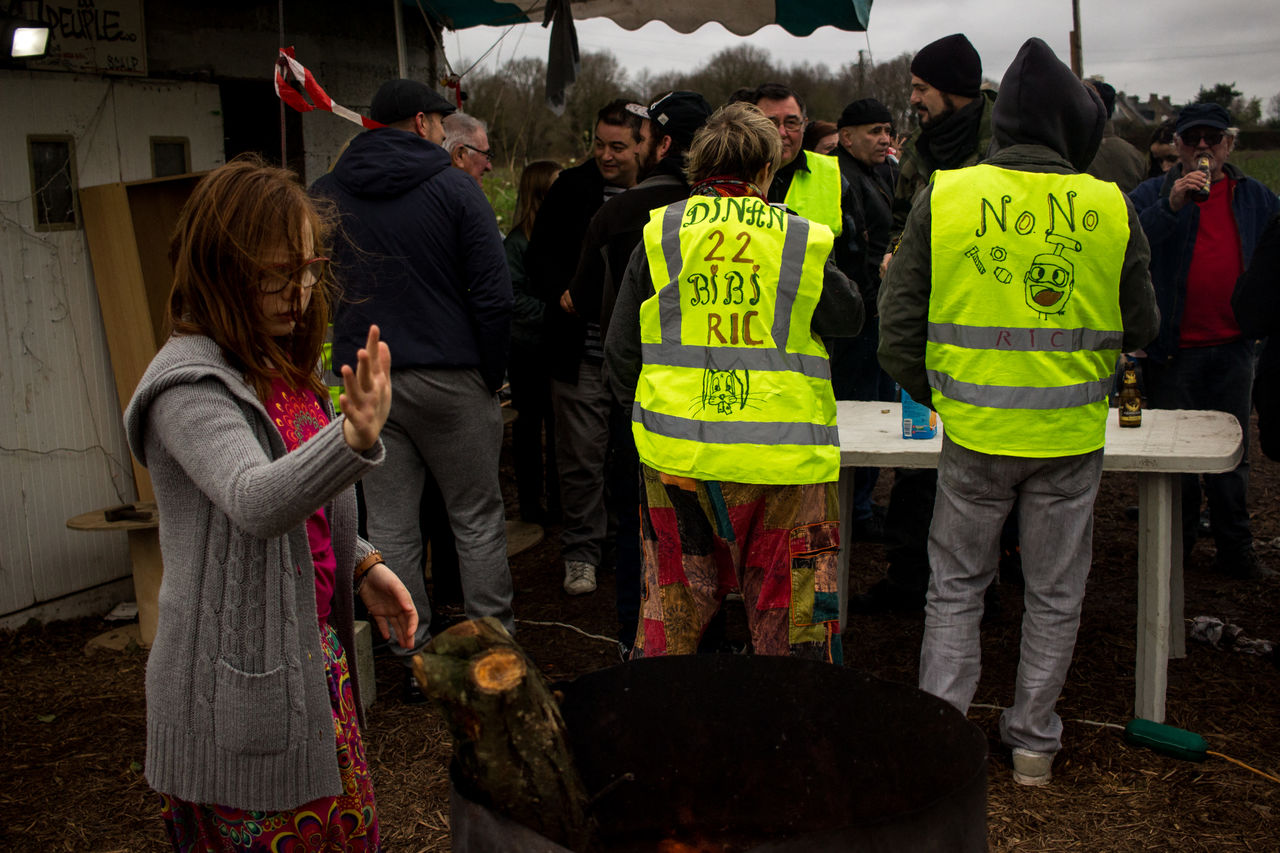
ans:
x=449 y=422
x=1055 y=515
x=582 y=444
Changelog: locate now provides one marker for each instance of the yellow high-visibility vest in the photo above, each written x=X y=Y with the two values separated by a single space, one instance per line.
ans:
x=815 y=194
x=1024 y=313
x=734 y=386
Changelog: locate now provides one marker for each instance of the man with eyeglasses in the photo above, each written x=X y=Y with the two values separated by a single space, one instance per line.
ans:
x=419 y=253
x=467 y=141
x=580 y=396
x=1201 y=360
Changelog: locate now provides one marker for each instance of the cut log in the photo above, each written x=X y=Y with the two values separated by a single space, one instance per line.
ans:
x=509 y=742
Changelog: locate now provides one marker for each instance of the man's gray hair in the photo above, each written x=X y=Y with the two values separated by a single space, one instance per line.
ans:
x=461 y=129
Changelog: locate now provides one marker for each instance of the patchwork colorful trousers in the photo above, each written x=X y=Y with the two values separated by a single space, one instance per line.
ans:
x=776 y=544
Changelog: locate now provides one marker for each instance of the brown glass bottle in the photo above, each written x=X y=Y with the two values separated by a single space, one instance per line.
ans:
x=1203 y=165
x=1130 y=399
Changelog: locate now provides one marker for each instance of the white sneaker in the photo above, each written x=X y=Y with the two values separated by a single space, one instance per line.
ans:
x=1032 y=768
x=579 y=577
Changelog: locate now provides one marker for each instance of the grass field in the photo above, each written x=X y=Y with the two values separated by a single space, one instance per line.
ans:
x=1263 y=165
x=500 y=187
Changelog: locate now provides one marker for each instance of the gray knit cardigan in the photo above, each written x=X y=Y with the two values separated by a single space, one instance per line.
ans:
x=238 y=707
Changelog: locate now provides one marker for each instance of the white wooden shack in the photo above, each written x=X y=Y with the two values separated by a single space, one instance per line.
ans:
x=130 y=91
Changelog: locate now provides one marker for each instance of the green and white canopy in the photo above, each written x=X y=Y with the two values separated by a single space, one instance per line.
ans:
x=742 y=17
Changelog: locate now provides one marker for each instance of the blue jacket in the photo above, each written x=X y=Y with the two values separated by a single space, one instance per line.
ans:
x=418 y=253
x=1173 y=240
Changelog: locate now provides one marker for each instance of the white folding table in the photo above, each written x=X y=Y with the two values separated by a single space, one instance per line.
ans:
x=1169 y=443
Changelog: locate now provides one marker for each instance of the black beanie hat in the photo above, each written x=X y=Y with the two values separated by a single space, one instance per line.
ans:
x=865 y=111
x=950 y=65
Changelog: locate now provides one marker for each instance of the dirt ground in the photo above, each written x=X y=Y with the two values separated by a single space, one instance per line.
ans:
x=72 y=724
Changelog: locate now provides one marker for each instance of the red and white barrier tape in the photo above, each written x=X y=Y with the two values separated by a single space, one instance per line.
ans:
x=293 y=80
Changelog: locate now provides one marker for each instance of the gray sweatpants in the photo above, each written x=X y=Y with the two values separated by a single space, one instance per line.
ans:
x=449 y=422
x=1055 y=516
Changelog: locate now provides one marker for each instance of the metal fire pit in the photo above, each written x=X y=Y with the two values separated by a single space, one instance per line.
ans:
x=762 y=754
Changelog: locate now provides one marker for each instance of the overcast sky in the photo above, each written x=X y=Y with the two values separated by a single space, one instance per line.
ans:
x=1171 y=47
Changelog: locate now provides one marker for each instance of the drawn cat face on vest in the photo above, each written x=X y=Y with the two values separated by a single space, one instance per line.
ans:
x=724 y=390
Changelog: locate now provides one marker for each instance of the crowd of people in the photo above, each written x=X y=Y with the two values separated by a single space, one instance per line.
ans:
x=676 y=317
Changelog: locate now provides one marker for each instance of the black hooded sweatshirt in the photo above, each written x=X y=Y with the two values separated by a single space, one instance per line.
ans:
x=419 y=253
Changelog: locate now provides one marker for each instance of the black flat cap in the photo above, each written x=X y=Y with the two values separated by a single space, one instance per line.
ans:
x=864 y=111
x=400 y=99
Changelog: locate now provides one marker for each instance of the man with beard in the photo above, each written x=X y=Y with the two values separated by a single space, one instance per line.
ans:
x=614 y=233
x=955 y=117
x=955 y=132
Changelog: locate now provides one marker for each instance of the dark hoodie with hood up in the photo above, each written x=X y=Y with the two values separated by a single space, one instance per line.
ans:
x=1045 y=120
x=418 y=253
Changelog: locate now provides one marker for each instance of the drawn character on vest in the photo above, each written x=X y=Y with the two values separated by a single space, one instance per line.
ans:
x=1051 y=277
x=724 y=390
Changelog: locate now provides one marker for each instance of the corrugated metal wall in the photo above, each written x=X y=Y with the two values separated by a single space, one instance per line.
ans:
x=62 y=449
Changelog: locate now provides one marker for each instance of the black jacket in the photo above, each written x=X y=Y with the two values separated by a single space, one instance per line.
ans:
x=552 y=259
x=875 y=201
x=419 y=253
x=1256 y=303
x=615 y=231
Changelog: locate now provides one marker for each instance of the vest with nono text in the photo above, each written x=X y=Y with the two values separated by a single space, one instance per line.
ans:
x=1024 y=313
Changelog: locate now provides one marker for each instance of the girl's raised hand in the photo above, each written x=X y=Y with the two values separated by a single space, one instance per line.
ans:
x=366 y=400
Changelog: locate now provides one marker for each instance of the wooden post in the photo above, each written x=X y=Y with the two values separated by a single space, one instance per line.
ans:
x=1077 y=52
x=509 y=740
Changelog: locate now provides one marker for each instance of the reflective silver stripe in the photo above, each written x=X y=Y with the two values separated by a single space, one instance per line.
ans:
x=790 y=270
x=669 y=298
x=734 y=358
x=1020 y=397
x=729 y=432
x=1024 y=339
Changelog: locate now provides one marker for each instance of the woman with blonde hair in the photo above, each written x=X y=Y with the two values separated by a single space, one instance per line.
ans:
x=717 y=336
x=253 y=738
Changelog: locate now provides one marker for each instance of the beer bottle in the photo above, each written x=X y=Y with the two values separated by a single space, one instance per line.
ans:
x=1130 y=399
x=1204 y=165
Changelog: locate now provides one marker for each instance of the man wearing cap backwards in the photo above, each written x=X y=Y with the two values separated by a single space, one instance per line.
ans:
x=614 y=232
x=579 y=396
x=419 y=253
x=1201 y=360
x=1016 y=285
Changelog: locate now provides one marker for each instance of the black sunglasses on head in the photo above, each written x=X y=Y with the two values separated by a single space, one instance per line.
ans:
x=1193 y=137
